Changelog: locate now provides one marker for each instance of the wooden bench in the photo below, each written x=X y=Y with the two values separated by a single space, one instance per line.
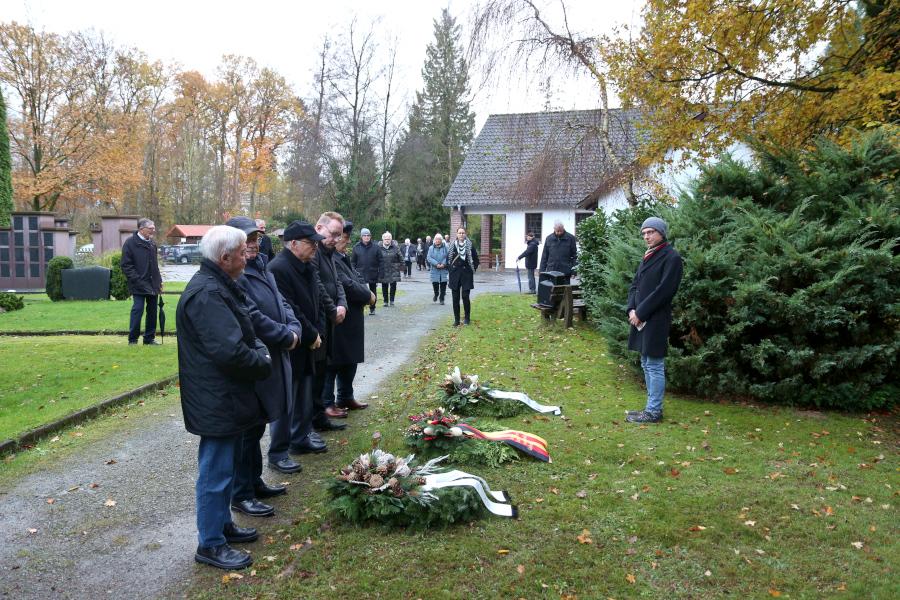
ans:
x=565 y=301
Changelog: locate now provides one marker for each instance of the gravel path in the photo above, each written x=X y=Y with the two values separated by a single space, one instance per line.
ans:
x=143 y=546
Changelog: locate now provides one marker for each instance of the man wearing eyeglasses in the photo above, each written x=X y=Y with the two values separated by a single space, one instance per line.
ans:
x=141 y=269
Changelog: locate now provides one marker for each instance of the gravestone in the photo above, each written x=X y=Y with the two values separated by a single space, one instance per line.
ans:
x=87 y=283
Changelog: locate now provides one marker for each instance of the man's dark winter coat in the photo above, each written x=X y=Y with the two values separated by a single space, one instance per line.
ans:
x=220 y=358
x=140 y=266
x=367 y=260
x=349 y=336
x=651 y=294
x=530 y=254
x=560 y=253
x=274 y=323
x=298 y=283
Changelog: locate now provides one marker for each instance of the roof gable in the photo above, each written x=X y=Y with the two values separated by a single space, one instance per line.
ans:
x=544 y=159
x=188 y=230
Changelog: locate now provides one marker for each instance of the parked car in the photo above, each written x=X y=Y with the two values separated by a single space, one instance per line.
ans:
x=184 y=254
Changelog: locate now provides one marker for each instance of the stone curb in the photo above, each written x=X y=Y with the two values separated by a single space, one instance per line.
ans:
x=81 y=415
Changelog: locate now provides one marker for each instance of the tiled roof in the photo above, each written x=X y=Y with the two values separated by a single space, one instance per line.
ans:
x=188 y=230
x=543 y=159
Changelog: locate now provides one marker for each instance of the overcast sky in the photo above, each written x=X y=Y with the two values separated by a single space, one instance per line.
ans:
x=286 y=36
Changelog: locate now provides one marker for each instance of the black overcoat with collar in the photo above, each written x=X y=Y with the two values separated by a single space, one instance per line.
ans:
x=140 y=266
x=349 y=336
x=274 y=323
x=220 y=359
x=651 y=294
x=299 y=285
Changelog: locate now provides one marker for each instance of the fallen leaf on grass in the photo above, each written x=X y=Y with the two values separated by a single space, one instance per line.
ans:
x=697 y=528
x=50 y=500
x=109 y=502
x=585 y=537
x=630 y=578
x=581 y=494
x=94 y=486
x=520 y=569
x=74 y=488
x=554 y=490
x=674 y=472
x=502 y=551
x=730 y=470
x=111 y=461
x=750 y=523
x=857 y=545
x=32 y=530
x=774 y=593
x=708 y=573
x=231 y=576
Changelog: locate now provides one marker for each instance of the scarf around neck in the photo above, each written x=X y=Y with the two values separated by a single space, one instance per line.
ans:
x=651 y=251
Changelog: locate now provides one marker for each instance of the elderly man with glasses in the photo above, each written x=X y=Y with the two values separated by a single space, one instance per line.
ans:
x=141 y=269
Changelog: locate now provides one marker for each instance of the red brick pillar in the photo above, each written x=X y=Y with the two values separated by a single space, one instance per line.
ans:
x=484 y=253
x=456 y=221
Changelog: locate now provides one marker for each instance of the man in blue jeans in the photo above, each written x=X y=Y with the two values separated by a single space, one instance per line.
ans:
x=650 y=314
x=219 y=361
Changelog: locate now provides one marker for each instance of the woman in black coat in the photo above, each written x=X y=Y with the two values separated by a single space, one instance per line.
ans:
x=275 y=324
x=349 y=337
x=463 y=262
x=366 y=261
x=389 y=275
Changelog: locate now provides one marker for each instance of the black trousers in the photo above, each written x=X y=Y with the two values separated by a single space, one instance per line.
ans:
x=318 y=385
x=340 y=376
x=291 y=427
x=137 y=311
x=373 y=287
x=248 y=466
x=467 y=305
x=440 y=289
x=408 y=268
x=392 y=286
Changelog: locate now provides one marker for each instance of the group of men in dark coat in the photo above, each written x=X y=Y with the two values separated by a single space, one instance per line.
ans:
x=262 y=343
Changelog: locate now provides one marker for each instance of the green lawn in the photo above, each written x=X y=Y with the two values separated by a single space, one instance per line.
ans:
x=43 y=379
x=720 y=500
x=40 y=314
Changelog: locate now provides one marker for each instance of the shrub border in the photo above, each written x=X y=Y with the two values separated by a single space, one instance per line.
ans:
x=82 y=415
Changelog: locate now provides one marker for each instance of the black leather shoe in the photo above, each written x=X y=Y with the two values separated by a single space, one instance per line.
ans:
x=326 y=425
x=466 y=322
x=223 y=557
x=253 y=508
x=286 y=465
x=153 y=343
x=315 y=437
x=265 y=490
x=239 y=535
x=308 y=446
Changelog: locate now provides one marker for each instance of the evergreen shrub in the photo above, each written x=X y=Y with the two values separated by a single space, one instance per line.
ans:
x=118 y=284
x=10 y=302
x=792 y=272
x=53 y=282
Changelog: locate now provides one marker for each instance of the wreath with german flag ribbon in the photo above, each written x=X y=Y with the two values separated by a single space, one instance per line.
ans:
x=439 y=431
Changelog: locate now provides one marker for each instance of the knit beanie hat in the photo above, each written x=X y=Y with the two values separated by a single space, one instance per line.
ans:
x=657 y=224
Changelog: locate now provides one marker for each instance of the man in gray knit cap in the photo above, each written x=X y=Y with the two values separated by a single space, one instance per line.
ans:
x=650 y=314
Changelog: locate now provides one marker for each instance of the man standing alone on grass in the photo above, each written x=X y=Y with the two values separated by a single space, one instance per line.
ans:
x=219 y=361
x=141 y=269
x=650 y=314
x=530 y=256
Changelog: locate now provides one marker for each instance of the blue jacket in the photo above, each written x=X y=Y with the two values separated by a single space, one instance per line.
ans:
x=438 y=255
x=274 y=323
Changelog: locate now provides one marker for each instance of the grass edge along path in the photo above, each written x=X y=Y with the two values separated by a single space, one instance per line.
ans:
x=722 y=499
x=43 y=380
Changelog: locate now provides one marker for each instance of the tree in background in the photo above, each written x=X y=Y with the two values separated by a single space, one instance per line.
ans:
x=439 y=130
x=6 y=192
x=784 y=71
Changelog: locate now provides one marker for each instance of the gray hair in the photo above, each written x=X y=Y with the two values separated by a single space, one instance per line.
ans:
x=558 y=223
x=438 y=236
x=221 y=240
x=144 y=222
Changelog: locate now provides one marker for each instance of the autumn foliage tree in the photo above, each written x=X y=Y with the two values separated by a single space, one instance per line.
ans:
x=783 y=71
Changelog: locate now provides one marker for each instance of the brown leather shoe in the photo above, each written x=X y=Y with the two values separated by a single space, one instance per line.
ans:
x=354 y=404
x=333 y=412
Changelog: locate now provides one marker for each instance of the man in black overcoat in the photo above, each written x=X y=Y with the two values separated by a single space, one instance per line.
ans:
x=141 y=269
x=220 y=359
x=348 y=348
x=560 y=251
x=275 y=324
x=530 y=256
x=367 y=262
x=298 y=282
x=333 y=302
x=650 y=314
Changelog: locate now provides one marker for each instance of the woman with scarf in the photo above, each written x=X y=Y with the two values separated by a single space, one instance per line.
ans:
x=463 y=262
x=389 y=271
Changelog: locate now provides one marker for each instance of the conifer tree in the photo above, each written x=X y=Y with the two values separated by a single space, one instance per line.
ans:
x=6 y=193
x=438 y=133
